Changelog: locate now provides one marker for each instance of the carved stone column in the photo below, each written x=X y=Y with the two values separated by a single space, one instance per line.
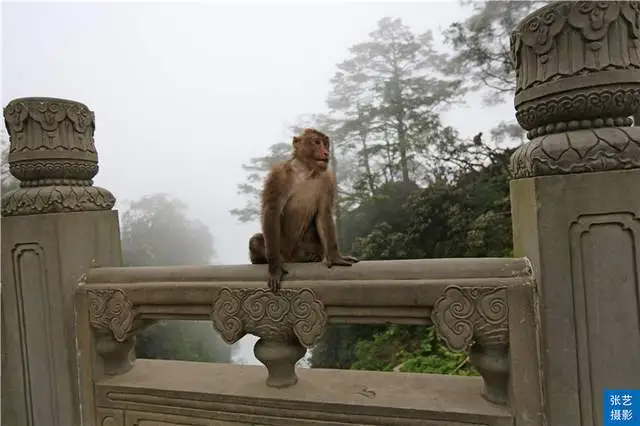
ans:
x=576 y=198
x=54 y=227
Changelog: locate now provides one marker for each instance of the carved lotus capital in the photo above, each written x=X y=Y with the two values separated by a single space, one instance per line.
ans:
x=56 y=199
x=51 y=139
x=577 y=68
x=282 y=316
x=593 y=150
x=52 y=153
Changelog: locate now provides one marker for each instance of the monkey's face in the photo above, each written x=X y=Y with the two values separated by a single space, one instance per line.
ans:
x=321 y=148
x=313 y=150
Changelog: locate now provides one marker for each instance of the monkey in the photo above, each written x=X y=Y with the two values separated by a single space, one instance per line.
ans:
x=296 y=211
x=477 y=139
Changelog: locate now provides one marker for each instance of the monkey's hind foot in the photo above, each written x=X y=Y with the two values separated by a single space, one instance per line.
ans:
x=257 y=251
x=340 y=261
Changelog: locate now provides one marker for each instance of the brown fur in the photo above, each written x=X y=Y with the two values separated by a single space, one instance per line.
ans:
x=296 y=205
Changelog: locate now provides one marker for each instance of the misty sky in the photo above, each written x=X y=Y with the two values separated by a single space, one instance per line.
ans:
x=184 y=93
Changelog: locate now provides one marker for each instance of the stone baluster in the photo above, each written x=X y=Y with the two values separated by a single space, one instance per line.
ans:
x=114 y=324
x=287 y=323
x=476 y=319
x=575 y=198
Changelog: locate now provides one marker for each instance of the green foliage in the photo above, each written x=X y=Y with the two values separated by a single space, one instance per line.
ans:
x=157 y=232
x=468 y=218
x=336 y=348
x=382 y=243
x=409 y=349
x=381 y=211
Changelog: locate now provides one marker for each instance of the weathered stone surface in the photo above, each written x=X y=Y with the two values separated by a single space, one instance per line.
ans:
x=578 y=83
x=43 y=256
x=287 y=323
x=402 y=291
x=582 y=234
x=235 y=298
x=282 y=316
x=52 y=153
x=176 y=393
x=477 y=319
x=110 y=309
x=575 y=212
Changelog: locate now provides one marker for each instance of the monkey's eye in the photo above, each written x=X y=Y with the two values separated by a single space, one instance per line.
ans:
x=317 y=141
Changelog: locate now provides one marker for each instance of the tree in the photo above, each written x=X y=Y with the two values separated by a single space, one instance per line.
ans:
x=409 y=186
x=400 y=72
x=258 y=168
x=352 y=102
x=467 y=214
x=482 y=46
x=157 y=232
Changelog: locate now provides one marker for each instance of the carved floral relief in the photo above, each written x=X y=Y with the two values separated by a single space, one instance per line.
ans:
x=281 y=316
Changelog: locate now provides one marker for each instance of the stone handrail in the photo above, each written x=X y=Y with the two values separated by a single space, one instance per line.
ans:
x=546 y=349
x=467 y=300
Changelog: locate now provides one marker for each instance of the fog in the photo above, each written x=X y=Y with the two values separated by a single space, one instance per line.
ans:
x=186 y=92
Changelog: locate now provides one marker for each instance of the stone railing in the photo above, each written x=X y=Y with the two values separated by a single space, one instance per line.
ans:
x=545 y=352
x=467 y=300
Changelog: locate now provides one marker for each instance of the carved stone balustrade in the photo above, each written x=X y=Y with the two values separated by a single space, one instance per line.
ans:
x=467 y=299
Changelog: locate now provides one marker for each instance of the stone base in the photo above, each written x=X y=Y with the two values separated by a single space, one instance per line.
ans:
x=43 y=258
x=179 y=393
x=582 y=235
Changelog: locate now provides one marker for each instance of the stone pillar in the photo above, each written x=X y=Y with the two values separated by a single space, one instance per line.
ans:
x=54 y=227
x=576 y=198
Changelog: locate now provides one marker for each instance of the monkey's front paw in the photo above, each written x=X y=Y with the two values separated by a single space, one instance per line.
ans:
x=275 y=279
